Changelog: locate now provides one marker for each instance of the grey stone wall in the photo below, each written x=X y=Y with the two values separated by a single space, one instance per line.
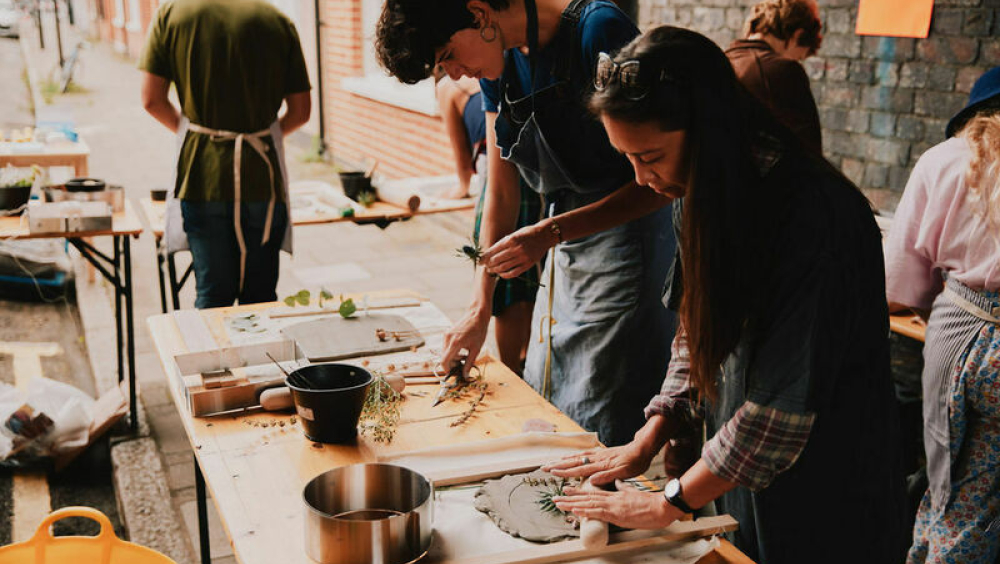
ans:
x=882 y=101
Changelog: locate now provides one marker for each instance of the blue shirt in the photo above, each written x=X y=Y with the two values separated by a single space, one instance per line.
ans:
x=602 y=28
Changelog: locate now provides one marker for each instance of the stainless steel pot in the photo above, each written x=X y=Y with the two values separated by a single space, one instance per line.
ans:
x=368 y=514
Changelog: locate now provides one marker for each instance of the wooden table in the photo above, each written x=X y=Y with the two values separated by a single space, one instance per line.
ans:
x=61 y=154
x=379 y=213
x=256 y=473
x=116 y=269
x=908 y=325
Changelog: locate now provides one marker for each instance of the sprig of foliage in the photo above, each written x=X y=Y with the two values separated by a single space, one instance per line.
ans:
x=545 y=499
x=474 y=252
x=380 y=413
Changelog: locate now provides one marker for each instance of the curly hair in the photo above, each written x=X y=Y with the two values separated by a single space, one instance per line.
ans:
x=409 y=32
x=781 y=18
x=983 y=177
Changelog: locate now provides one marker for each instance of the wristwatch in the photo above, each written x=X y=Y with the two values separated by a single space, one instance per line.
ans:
x=672 y=492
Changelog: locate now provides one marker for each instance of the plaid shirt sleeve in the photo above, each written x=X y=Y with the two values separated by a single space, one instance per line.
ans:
x=676 y=399
x=757 y=444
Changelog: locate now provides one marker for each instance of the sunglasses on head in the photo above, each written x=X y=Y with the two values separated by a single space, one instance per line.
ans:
x=631 y=82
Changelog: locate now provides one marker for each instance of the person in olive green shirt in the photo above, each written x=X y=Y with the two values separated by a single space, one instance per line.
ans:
x=233 y=63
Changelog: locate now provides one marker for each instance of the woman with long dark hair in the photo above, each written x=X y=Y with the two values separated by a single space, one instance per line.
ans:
x=781 y=358
x=608 y=239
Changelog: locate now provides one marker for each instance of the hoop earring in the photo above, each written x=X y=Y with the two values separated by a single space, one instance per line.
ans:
x=492 y=37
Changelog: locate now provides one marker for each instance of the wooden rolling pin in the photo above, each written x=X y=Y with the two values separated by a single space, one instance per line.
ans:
x=593 y=533
x=405 y=198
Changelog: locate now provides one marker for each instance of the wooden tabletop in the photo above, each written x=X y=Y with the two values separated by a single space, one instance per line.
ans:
x=57 y=154
x=256 y=468
x=125 y=222
x=908 y=325
x=377 y=211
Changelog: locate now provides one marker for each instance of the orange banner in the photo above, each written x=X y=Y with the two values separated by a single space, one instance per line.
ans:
x=895 y=18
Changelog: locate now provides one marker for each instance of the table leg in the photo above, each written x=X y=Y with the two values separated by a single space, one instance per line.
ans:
x=117 y=283
x=130 y=334
x=175 y=291
x=202 y=501
x=160 y=265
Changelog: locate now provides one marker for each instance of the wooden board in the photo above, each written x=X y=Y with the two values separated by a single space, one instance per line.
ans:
x=255 y=469
x=335 y=338
x=908 y=325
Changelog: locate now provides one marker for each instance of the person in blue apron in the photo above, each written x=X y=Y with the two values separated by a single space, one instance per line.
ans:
x=781 y=360
x=943 y=257
x=597 y=325
x=233 y=65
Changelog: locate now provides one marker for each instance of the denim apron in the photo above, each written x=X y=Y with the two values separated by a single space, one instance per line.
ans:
x=599 y=344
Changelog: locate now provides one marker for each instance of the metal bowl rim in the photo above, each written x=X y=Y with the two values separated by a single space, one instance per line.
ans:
x=402 y=515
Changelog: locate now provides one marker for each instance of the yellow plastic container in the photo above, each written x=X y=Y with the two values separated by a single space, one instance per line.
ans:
x=105 y=548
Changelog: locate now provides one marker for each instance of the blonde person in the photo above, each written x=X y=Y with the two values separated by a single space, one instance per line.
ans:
x=943 y=257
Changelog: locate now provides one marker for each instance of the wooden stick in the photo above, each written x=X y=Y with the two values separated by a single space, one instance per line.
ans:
x=620 y=542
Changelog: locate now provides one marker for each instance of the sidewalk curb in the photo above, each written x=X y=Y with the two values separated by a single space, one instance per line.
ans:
x=140 y=480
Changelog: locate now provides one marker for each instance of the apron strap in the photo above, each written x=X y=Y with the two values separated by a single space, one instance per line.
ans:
x=255 y=141
x=970 y=307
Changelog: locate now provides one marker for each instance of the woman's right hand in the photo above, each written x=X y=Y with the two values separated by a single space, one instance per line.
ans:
x=605 y=465
x=468 y=334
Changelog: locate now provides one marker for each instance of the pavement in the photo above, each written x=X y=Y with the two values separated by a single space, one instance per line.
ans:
x=153 y=470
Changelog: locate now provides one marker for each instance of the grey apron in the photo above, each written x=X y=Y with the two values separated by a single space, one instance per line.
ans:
x=958 y=315
x=599 y=342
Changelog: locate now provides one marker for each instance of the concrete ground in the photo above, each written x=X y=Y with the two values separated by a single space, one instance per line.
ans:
x=154 y=471
x=44 y=339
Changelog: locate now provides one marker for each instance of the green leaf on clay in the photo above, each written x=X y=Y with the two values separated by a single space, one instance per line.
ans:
x=290 y=301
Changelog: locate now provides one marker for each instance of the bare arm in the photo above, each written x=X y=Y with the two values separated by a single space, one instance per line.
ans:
x=503 y=199
x=156 y=101
x=521 y=250
x=297 y=108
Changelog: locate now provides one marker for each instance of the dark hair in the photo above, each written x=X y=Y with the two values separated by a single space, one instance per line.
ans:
x=781 y=18
x=410 y=31
x=724 y=225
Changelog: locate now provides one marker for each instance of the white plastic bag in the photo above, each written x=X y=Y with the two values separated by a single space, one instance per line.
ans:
x=70 y=410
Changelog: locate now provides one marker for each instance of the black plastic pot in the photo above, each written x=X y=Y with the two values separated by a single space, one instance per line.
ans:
x=355 y=183
x=14 y=197
x=328 y=398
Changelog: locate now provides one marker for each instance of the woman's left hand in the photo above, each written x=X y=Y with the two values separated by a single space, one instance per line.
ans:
x=514 y=254
x=628 y=507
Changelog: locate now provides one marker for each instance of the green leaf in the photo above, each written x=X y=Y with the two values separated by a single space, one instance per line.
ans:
x=290 y=301
x=303 y=294
x=347 y=308
x=325 y=294
x=347 y=212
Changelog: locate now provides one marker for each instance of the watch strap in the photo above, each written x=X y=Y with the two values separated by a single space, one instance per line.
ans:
x=677 y=500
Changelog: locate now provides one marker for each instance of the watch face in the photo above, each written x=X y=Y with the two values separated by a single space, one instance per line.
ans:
x=673 y=488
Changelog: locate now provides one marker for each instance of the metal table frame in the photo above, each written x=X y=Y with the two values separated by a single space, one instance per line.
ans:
x=117 y=270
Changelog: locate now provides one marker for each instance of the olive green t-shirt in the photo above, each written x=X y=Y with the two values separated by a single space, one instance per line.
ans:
x=233 y=62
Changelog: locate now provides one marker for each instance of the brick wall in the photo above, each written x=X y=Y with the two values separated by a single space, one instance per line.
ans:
x=404 y=142
x=882 y=101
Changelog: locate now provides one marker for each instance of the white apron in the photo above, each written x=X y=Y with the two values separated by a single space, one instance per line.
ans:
x=176 y=238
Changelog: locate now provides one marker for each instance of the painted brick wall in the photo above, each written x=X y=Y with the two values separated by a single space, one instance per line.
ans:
x=405 y=143
x=882 y=101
